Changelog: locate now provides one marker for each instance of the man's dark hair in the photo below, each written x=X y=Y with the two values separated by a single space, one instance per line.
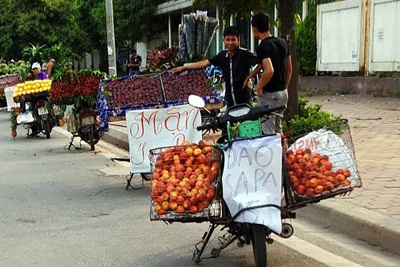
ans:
x=133 y=51
x=231 y=30
x=260 y=21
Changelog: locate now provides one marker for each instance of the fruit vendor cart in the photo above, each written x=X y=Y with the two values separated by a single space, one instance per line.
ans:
x=40 y=112
x=156 y=94
x=76 y=94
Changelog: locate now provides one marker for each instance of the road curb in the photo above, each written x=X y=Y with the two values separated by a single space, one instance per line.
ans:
x=373 y=227
x=117 y=135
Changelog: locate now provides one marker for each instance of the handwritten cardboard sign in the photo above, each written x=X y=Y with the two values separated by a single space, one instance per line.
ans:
x=252 y=177
x=152 y=128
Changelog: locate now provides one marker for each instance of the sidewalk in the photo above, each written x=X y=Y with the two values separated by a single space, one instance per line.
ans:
x=370 y=213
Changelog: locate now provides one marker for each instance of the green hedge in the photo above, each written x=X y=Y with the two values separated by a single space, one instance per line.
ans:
x=306 y=44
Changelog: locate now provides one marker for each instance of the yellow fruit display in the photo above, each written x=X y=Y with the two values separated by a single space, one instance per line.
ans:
x=31 y=87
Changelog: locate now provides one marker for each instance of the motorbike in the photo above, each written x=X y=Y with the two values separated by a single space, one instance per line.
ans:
x=257 y=235
x=83 y=122
x=41 y=119
x=242 y=183
x=217 y=192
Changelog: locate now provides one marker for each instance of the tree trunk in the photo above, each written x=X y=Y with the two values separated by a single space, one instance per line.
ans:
x=286 y=10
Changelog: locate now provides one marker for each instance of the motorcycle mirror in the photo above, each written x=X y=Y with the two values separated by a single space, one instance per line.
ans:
x=196 y=101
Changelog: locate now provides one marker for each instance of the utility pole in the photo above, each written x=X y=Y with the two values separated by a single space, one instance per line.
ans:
x=112 y=69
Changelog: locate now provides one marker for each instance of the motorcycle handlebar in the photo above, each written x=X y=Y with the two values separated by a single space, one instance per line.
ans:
x=255 y=113
x=207 y=126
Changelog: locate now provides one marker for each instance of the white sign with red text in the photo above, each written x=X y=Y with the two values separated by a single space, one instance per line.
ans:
x=152 y=128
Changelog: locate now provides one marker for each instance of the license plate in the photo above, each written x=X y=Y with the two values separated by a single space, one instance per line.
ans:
x=43 y=111
x=87 y=120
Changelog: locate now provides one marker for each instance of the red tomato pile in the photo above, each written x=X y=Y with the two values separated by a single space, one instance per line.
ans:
x=183 y=178
x=311 y=173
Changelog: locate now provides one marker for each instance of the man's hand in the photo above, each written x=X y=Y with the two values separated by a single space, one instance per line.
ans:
x=259 y=91
x=177 y=69
x=246 y=84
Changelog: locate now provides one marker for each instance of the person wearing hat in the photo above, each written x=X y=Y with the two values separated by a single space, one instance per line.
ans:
x=37 y=72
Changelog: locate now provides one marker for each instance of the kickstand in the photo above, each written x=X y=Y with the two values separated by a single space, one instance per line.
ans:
x=129 y=177
x=128 y=184
x=72 y=140
x=204 y=241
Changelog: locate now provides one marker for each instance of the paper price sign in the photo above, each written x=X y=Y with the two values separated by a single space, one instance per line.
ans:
x=253 y=176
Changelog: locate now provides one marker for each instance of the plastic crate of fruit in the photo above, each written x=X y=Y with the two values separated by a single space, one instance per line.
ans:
x=31 y=89
x=133 y=91
x=184 y=184
x=178 y=86
x=152 y=92
x=322 y=165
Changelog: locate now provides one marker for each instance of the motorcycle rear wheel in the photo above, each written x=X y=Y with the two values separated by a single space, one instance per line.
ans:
x=46 y=128
x=91 y=140
x=259 y=244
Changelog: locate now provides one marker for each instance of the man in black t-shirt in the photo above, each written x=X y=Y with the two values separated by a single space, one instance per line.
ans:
x=134 y=63
x=275 y=60
x=235 y=63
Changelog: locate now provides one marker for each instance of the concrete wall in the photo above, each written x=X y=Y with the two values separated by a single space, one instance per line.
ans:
x=349 y=85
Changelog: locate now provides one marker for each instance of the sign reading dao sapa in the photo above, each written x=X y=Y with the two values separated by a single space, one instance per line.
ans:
x=253 y=176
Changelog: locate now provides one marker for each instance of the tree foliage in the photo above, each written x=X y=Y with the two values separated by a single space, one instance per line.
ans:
x=134 y=19
x=306 y=44
x=92 y=21
x=43 y=22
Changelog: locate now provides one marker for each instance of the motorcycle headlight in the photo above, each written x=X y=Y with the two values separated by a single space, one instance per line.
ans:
x=240 y=111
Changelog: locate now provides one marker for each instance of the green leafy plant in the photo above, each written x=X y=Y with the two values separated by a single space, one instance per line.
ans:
x=13 y=120
x=34 y=53
x=311 y=118
x=306 y=44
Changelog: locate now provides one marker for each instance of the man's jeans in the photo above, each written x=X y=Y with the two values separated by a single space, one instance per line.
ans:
x=134 y=72
x=274 y=124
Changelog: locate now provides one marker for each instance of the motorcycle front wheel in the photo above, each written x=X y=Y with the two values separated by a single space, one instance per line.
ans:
x=259 y=244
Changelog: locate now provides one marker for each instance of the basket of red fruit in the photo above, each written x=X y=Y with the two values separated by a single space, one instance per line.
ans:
x=184 y=184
